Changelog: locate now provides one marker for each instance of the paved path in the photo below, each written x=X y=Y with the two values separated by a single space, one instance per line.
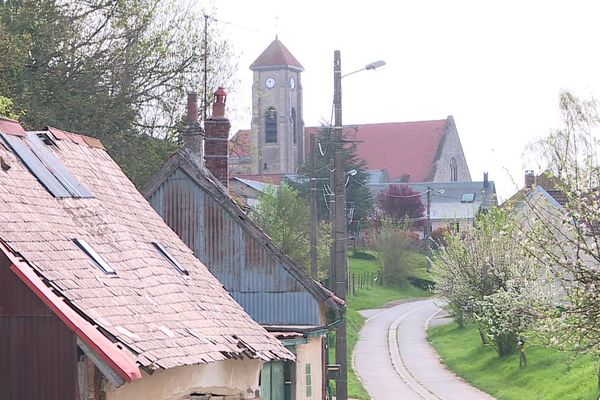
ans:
x=395 y=361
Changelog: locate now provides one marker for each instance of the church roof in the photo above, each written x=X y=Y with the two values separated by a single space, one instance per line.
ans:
x=403 y=148
x=276 y=55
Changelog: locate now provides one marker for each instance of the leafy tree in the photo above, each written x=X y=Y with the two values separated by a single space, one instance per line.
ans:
x=285 y=217
x=115 y=69
x=485 y=275
x=359 y=201
x=568 y=237
x=6 y=108
x=401 y=203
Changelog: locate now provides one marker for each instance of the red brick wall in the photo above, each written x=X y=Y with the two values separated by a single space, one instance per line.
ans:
x=216 y=131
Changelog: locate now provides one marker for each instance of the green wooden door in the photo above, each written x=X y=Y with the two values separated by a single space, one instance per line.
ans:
x=272 y=382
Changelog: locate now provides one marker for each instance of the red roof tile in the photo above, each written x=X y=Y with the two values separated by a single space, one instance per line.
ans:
x=276 y=55
x=11 y=127
x=161 y=317
x=400 y=147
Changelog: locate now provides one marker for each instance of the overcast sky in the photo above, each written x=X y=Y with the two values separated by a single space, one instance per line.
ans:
x=497 y=68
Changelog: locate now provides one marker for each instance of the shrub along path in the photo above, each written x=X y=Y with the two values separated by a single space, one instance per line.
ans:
x=395 y=361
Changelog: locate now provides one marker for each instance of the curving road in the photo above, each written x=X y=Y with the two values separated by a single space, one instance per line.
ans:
x=395 y=361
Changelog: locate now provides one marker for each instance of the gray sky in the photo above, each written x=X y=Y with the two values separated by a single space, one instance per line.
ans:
x=496 y=67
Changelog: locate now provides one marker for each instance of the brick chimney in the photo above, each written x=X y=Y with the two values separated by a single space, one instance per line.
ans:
x=217 y=139
x=192 y=136
x=529 y=179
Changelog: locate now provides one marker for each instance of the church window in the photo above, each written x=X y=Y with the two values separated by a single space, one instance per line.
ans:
x=453 y=170
x=271 y=125
x=294 y=125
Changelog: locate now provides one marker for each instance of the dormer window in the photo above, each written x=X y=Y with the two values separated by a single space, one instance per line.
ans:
x=271 y=125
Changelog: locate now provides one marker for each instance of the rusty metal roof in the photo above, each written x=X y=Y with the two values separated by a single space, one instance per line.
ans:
x=163 y=318
x=204 y=179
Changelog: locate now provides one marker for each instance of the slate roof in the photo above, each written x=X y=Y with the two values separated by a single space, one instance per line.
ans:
x=276 y=55
x=400 y=147
x=446 y=197
x=158 y=316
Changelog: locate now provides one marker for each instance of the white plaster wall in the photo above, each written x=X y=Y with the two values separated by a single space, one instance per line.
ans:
x=309 y=353
x=230 y=377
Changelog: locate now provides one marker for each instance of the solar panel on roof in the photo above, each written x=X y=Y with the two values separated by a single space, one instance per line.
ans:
x=46 y=167
x=57 y=168
x=37 y=168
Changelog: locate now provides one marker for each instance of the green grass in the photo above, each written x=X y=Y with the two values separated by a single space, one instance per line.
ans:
x=549 y=375
x=368 y=298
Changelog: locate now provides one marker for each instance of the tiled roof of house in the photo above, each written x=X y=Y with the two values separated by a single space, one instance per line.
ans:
x=276 y=55
x=400 y=147
x=159 y=316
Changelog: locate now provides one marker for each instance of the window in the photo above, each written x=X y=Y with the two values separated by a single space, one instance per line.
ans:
x=271 y=125
x=453 y=170
x=170 y=258
x=294 y=125
x=467 y=198
x=308 y=382
x=46 y=167
x=91 y=253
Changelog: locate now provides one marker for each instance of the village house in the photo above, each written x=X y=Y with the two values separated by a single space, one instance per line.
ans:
x=190 y=193
x=99 y=298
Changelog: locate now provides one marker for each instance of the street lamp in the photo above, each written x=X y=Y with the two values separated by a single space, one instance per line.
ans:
x=340 y=228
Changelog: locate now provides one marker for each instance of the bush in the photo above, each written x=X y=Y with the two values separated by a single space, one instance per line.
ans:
x=361 y=255
x=395 y=245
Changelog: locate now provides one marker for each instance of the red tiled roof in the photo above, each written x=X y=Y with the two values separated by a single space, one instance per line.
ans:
x=161 y=317
x=400 y=147
x=276 y=55
x=240 y=144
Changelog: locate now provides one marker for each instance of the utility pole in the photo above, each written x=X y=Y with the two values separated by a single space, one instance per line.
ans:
x=340 y=228
x=428 y=229
x=313 y=207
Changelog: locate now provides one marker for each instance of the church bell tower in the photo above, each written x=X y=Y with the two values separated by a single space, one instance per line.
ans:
x=277 y=122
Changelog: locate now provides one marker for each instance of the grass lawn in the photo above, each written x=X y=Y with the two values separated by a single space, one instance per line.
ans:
x=549 y=375
x=369 y=297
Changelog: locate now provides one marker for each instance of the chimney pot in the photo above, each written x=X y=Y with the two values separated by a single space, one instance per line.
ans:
x=218 y=110
x=529 y=178
x=192 y=108
x=486 y=182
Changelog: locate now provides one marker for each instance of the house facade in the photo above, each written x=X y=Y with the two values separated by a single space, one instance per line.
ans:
x=99 y=299
x=275 y=291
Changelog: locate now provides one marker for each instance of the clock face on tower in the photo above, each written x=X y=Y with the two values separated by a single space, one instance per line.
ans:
x=270 y=82
x=292 y=83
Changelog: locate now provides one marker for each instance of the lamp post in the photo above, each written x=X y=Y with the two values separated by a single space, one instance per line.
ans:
x=340 y=228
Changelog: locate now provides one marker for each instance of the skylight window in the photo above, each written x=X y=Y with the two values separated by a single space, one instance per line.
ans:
x=170 y=258
x=98 y=261
x=467 y=198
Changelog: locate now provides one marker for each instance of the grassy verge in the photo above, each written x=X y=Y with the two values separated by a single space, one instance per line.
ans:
x=368 y=298
x=549 y=375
